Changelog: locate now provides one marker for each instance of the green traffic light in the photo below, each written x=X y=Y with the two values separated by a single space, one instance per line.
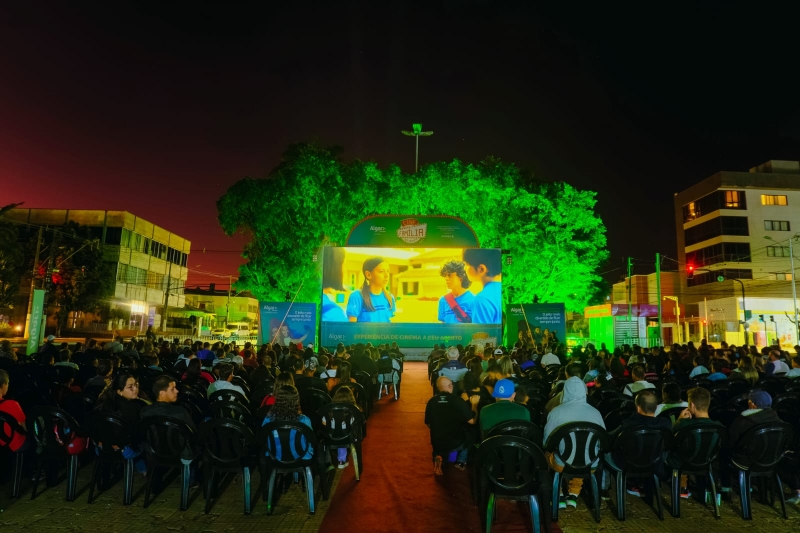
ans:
x=720 y=278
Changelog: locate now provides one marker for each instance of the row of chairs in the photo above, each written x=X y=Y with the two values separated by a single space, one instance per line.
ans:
x=511 y=464
x=226 y=445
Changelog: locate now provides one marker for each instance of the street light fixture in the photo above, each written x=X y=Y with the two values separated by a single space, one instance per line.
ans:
x=417 y=132
x=794 y=287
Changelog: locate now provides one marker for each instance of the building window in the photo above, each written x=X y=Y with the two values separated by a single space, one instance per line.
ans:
x=113 y=236
x=776 y=225
x=410 y=288
x=726 y=252
x=783 y=276
x=713 y=202
x=727 y=273
x=732 y=199
x=122 y=272
x=778 y=251
x=773 y=199
x=125 y=240
x=716 y=227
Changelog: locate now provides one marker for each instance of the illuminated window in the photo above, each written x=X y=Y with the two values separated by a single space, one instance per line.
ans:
x=778 y=251
x=732 y=199
x=783 y=276
x=773 y=199
x=777 y=225
x=691 y=212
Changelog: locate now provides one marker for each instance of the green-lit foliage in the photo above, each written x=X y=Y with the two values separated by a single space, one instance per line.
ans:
x=555 y=238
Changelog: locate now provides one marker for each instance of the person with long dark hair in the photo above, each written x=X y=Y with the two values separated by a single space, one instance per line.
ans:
x=372 y=302
x=121 y=398
x=485 y=268
x=287 y=408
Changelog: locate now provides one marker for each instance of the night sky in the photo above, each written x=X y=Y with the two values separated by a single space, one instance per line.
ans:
x=158 y=110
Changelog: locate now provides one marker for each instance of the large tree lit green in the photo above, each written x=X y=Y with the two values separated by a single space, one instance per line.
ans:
x=555 y=239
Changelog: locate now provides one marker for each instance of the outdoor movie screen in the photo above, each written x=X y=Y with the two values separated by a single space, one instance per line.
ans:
x=412 y=296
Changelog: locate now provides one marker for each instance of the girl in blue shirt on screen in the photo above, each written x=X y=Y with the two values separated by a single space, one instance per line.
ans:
x=372 y=303
x=332 y=261
x=484 y=267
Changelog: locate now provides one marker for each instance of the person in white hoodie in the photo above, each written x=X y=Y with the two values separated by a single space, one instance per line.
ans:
x=573 y=408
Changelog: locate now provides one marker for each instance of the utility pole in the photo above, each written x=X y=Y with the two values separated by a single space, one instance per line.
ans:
x=228 y=307
x=33 y=282
x=658 y=292
x=630 y=281
x=794 y=293
x=417 y=132
x=166 y=296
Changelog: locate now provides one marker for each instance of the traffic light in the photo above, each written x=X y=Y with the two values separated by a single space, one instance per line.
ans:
x=705 y=322
x=690 y=271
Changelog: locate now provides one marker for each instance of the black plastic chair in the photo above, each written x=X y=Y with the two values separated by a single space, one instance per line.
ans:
x=516 y=428
x=386 y=374
x=365 y=380
x=233 y=411
x=240 y=381
x=725 y=414
x=787 y=400
x=166 y=442
x=227 y=395
x=8 y=421
x=671 y=414
x=53 y=428
x=261 y=391
x=773 y=386
x=362 y=399
x=342 y=426
x=311 y=400
x=643 y=449
x=229 y=446
x=694 y=450
x=514 y=468
x=583 y=444
x=114 y=433
x=759 y=451
x=293 y=439
x=614 y=419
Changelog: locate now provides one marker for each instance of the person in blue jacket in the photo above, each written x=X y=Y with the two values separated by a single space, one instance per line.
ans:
x=484 y=267
x=372 y=303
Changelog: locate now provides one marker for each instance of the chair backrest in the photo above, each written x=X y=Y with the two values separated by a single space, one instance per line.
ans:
x=517 y=428
x=512 y=465
x=773 y=386
x=165 y=439
x=671 y=414
x=9 y=427
x=765 y=445
x=340 y=423
x=288 y=443
x=725 y=415
x=614 y=419
x=52 y=428
x=233 y=411
x=698 y=446
x=227 y=442
x=385 y=367
x=358 y=392
x=78 y=405
x=241 y=382
x=643 y=447
x=111 y=430
x=261 y=391
x=578 y=445
x=790 y=400
x=227 y=395
x=311 y=400
x=738 y=403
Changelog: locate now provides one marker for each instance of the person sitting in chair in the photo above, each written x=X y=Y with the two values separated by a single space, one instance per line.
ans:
x=447 y=415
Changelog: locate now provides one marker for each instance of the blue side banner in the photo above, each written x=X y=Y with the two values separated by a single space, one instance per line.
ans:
x=410 y=335
x=287 y=323
x=535 y=323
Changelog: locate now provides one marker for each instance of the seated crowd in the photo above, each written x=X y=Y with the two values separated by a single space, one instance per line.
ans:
x=139 y=379
x=731 y=388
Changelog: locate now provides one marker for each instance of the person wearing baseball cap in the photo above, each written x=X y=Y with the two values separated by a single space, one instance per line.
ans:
x=759 y=411
x=504 y=407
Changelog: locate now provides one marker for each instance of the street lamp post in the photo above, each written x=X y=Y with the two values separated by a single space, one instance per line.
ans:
x=794 y=287
x=417 y=132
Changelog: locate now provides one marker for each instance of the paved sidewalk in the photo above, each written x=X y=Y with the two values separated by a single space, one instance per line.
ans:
x=49 y=511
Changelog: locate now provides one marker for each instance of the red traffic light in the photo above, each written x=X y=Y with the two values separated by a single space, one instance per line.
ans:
x=690 y=271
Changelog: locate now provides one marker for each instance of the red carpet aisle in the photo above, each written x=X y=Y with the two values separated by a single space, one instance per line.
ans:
x=398 y=491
